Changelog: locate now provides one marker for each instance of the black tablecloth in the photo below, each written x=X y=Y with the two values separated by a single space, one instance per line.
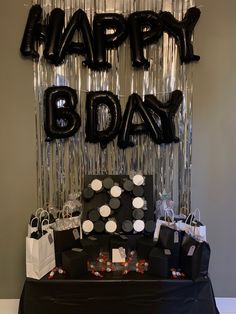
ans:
x=132 y=294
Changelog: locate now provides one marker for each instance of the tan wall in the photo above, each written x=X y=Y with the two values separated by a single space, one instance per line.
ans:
x=18 y=148
x=214 y=145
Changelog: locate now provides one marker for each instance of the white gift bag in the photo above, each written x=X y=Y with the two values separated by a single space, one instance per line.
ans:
x=40 y=254
x=194 y=227
x=160 y=222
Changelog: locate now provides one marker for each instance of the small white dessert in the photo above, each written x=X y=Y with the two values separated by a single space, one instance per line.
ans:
x=105 y=211
x=138 y=202
x=139 y=225
x=87 y=226
x=115 y=191
x=138 y=179
x=110 y=226
x=96 y=185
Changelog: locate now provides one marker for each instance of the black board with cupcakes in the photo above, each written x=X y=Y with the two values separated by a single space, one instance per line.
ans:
x=118 y=199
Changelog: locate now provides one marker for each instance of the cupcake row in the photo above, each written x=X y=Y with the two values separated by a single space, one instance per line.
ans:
x=110 y=226
x=135 y=186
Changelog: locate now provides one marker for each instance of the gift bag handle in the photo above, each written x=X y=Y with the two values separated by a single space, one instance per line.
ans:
x=31 y=223
x=197 y=211
x=184 y=210
x=51 y=209
x=42 y=213
x=66 y=209
x=59 y=215
x=71 y=216
x=172 y=214
x=43 y=223
x=193 y=218
x=38 y=211
x=80 y=229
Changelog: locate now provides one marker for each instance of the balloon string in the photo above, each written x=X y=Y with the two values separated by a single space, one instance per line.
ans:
x=142 y=95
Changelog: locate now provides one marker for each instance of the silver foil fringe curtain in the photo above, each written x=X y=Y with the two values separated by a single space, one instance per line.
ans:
x=62 y=164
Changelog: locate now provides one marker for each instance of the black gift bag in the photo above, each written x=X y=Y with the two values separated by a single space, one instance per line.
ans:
x=67 y=233
x=160 y=262
x=171 y=239
x=195 y=257
x=144 y=247
x=168 y=237
x=75 y=262
x=91 y=246
x=65 y=240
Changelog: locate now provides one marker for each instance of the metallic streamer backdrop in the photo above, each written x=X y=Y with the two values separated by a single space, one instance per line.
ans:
x=62 y=164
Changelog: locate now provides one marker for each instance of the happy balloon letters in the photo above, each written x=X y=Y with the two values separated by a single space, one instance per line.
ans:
x=108 y=31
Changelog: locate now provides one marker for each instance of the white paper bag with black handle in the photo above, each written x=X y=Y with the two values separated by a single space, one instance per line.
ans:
x=37 y=217
x=193 y=226
x=33 y=223
x=40 y=254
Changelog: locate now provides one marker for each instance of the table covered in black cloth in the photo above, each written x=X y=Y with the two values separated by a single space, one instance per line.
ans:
x=113 y=294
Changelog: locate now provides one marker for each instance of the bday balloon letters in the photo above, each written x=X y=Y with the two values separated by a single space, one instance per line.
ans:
x=62 y=120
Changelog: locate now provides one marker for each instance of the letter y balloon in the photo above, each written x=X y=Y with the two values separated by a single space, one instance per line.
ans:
x=182 y=31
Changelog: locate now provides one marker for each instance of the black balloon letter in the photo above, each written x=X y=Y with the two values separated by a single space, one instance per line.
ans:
x=182 y=32
x=30 y=36
x=102 y=40
x=56 y=23
x=127 y=129
x=61 y=120
x=93 y=102
x=79 y=21
x=139 y=37
x=166 y=112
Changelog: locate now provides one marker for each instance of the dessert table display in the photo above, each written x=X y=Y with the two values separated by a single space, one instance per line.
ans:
x=160 y=268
